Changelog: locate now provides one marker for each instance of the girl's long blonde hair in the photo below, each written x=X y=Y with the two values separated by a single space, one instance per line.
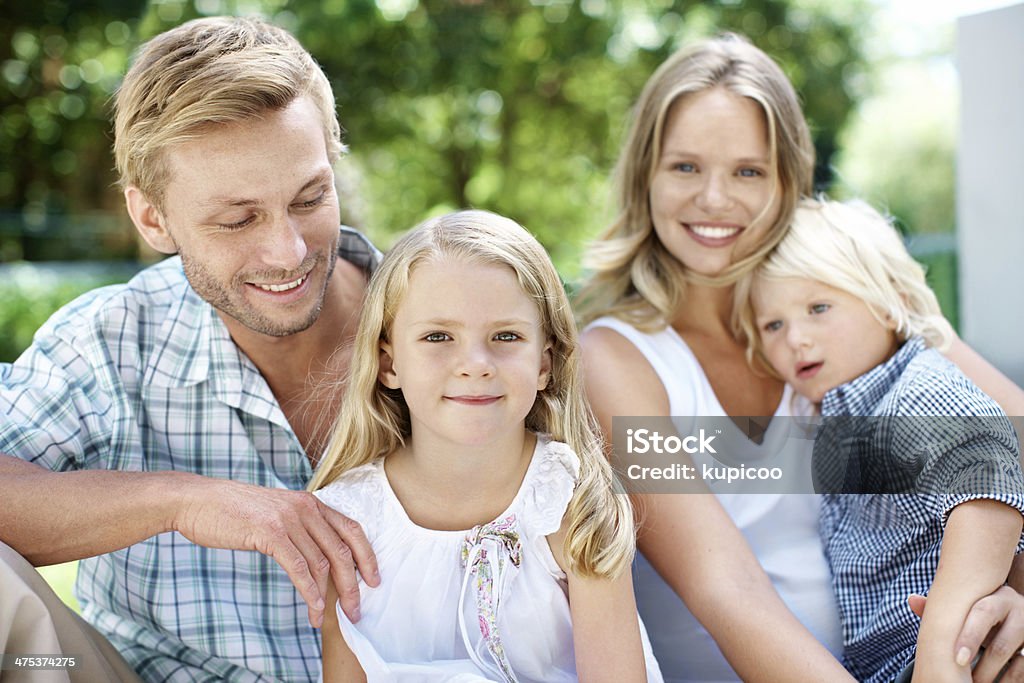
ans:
x=633 y=276
x=374 y=420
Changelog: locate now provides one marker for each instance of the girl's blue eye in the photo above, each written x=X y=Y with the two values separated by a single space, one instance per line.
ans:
x=436 y=337
x=773 y=326
x=750 y=173
x=819 y=308
x=507 y=337
x=685 y=167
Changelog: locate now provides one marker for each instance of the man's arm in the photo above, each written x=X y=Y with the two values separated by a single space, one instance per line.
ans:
x=93 y=512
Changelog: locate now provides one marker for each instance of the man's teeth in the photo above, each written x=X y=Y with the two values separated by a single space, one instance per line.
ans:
x=713 y=232
x=282 y=288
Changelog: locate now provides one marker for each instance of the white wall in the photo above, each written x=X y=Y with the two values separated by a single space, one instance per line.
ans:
x=990 y=185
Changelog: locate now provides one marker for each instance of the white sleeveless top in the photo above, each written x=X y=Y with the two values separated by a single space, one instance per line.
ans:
x=782 y=529
x=487 y=604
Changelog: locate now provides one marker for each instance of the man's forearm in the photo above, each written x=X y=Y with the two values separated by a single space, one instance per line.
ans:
x=52 y=517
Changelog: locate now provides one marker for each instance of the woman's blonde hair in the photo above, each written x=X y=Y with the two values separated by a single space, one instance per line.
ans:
x=374 y=420
x=634 y=276
x=205 y=72
x=853 y=248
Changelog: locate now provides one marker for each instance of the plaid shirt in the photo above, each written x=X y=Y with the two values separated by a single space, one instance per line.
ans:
x=145 y=377
x=883 y=547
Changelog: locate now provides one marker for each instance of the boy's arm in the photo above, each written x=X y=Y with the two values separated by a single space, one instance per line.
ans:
x=978 y=545
x=340 y=664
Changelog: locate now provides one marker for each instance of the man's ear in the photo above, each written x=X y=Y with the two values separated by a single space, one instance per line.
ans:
x=544 y=378
x=387 y=375
x=149 y=221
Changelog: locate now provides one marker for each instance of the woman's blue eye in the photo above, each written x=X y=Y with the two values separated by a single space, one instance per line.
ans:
x=750 y=173
x=819 y=308
x=685 y=167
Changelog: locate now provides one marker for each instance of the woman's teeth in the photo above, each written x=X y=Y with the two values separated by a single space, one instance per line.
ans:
x=713 y=232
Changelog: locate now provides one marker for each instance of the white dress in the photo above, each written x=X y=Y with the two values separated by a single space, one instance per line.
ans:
x=782 y=529
x=489 y=603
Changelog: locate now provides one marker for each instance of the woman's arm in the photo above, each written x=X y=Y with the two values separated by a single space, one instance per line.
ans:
x=977 y=548
x=696 y=547
x=340 y=665
x=1001 y=388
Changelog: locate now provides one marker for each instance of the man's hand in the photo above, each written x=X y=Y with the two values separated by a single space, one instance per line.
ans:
x=311 y=542
x=996 y=622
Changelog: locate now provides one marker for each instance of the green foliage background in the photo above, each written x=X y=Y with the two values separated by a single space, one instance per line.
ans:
x=509 y=105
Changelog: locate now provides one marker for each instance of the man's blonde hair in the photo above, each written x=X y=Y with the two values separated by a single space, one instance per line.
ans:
x=853 y=248
x=206 y=72
x=374 y=420
x=634 y=275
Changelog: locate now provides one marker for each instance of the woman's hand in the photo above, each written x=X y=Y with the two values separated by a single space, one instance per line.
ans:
x=995 y=623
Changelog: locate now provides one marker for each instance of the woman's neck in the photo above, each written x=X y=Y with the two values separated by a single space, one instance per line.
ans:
x=705 y=310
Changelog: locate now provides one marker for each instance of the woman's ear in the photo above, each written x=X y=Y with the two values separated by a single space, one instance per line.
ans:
x=387 y=375
x=544 y=377
x=149 y=221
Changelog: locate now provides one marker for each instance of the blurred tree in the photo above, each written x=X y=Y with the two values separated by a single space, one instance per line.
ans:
x=59 y=63
x=513 y=106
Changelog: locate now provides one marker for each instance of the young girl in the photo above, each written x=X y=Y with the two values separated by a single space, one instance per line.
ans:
x=465 y=449
x=842 y=313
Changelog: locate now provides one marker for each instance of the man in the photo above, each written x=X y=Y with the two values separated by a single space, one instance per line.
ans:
x=158 y=428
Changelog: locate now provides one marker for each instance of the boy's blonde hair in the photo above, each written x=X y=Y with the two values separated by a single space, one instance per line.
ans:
x=853 y=248
x=205 y=72
x=635 y=278
x=374 y=420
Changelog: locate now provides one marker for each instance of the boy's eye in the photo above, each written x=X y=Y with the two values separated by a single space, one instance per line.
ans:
x=507 y=337
x=773 y=326
x=819 y=308
x=437 y=337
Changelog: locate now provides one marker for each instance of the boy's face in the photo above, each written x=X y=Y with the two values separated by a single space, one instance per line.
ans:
x=818 y=337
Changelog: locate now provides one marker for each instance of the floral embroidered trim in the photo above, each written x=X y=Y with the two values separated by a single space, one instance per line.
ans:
x=491 y=556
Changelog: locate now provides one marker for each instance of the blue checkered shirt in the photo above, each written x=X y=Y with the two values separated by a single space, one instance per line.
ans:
x=883 y=547
x=144 y=377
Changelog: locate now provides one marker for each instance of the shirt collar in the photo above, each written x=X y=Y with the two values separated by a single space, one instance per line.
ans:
x=194 y=345
x=859 y=396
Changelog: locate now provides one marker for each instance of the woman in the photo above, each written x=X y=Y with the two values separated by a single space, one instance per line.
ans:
x=717 y=156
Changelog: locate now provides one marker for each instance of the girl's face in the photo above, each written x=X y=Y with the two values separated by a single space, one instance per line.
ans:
x=818 y=337
x=467 y=348
x=714 y=177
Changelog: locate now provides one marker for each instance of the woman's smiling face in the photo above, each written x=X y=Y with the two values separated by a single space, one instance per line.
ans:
x=713 y=193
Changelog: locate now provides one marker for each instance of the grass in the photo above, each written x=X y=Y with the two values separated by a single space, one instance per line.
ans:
x=61 y=578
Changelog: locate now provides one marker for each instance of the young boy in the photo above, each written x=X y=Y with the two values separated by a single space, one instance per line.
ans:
x=843 y=313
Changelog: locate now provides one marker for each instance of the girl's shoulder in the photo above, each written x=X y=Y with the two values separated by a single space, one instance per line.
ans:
x=357 y=493
x=548 y=486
